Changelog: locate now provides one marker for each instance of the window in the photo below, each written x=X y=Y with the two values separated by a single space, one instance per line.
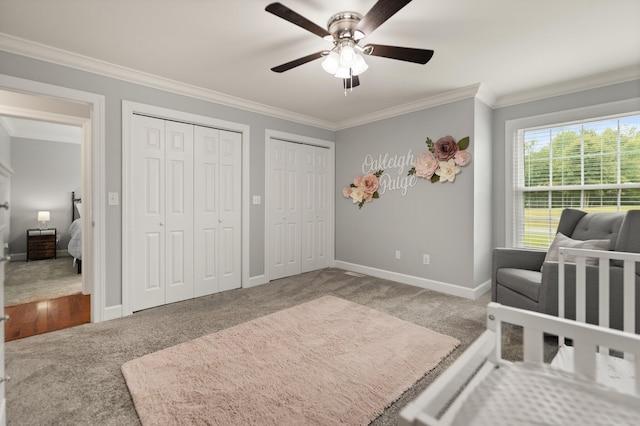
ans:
x=593 y=165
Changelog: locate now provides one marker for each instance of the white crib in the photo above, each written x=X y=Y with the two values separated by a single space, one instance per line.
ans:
x=577 y=387
x=614 y=371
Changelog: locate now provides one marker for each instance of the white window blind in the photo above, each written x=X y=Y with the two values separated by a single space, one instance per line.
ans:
x=590 y=165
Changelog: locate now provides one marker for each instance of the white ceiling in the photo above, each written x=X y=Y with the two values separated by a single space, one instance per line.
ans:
x=41 y=130
x=514 y=48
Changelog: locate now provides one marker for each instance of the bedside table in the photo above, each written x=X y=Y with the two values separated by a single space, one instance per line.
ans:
x=41 y=244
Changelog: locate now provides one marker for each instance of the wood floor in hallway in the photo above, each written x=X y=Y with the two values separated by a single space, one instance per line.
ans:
x=34 y=318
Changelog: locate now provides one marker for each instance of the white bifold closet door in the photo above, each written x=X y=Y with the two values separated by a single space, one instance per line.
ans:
x=182 y=216
x=163 y=212
x=218 y=190
x=298 y=208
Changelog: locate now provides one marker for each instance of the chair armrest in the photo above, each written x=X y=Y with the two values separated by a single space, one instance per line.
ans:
x=514 y=258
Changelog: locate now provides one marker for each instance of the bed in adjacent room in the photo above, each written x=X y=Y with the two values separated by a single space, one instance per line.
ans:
x=75 y=231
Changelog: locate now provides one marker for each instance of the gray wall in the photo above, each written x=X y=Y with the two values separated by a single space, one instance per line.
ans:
x=482 y=193
x=44 y=175
x=432 y=218
x=587 y=98
x=115 y=91
x=5 y=146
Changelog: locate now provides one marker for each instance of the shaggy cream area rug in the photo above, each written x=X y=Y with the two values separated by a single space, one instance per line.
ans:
x=324 y=362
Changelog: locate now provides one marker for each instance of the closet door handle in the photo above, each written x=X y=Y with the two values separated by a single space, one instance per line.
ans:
x=161 y=223
x=5 y=205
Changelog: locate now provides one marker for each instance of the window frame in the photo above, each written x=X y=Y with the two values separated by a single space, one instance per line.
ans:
x=512 y=127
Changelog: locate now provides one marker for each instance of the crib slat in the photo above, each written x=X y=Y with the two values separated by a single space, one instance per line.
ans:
x=603 y=297
x=581 y=289
x=585 y=358
x=561 y=275
x=629 y=302
x=532 y=345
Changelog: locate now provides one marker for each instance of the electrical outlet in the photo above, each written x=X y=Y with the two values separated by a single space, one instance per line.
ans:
x=397 y=254
x=426 y=259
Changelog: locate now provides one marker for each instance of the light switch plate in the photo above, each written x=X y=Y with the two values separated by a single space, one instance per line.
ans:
x=112 y=199
x=256 y=199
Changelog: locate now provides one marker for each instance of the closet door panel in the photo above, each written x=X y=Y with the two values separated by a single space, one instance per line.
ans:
x=308 y=207
x=148 y=243
x=230 y=210
x=321 y=206
x=179 y=211
x=277 y=209
x=293 y=224
x=206 y=217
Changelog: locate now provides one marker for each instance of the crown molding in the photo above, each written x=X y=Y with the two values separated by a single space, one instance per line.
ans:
x=621 y=75
x=62 y=57
x=430 y=102
x=54 y=55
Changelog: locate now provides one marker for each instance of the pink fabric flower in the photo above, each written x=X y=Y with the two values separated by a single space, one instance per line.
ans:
x=346 y=191
x=357 y=181
x=369 y=184
x=445 y=148
x=368 y=197
x=462 y=158
x=426 y=165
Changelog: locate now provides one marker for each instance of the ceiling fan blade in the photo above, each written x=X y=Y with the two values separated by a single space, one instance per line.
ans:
x=350 y=83
x=418 y=56
x=379 y=13
x=298 y=62
x=285 y=13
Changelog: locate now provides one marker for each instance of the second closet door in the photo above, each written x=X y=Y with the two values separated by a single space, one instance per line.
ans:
x=298 y=209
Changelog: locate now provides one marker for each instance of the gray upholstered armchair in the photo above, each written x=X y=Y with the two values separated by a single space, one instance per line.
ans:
x=523 y=279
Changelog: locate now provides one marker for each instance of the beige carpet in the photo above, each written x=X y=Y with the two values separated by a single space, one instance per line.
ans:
x=40 y=280
x=325 y=362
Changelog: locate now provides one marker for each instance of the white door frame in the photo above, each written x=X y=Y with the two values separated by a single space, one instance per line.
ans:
x=290 y=137
x=128 y=109
x=93 y=178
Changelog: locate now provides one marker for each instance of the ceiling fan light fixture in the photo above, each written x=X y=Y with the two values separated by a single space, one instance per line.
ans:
x=343 y=72
x=331 y=62
x=348 y=55
x=345 y=60
x=359 y=66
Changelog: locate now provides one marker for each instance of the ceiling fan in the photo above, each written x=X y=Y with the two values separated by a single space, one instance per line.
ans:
x=345 y=29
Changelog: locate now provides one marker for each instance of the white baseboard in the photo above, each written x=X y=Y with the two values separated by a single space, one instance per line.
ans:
x=454 y=290
x=21 y=257
x=112 y=312
x=257 y=280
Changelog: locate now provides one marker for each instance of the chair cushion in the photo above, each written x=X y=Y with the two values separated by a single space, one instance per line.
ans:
x=598 y=226
x=522 y=281
x=629 y=238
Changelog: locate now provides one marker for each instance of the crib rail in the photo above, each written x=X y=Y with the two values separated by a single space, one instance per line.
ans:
x=438 y=404
x=604 y=286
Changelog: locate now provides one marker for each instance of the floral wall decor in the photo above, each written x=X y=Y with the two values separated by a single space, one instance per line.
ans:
x=443 y=159
x=363 y=189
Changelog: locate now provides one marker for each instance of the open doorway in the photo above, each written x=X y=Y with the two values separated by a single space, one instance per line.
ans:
x=32 y=100
x=43 y=284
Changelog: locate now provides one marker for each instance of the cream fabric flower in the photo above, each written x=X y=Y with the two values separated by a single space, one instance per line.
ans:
x=448 y=171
